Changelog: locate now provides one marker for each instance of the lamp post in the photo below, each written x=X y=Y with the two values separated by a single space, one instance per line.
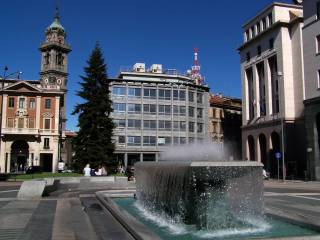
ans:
x=4 y=77
x=280 y=75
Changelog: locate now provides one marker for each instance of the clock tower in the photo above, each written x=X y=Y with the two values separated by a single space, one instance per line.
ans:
x=54 y=56
x=54 y=62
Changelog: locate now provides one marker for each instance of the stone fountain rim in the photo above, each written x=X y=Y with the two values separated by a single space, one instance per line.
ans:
x=206 y=163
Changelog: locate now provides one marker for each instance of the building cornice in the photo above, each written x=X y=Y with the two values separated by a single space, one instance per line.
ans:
x=267 y=8
x=49 y=45
x=269 y=123
x=160 y=82
x=268 y=30
x=226 y=106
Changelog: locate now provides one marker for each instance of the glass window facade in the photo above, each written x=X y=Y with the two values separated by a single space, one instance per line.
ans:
x=199 y=97
x=164 y=125
x=32 y=103
x=22 y=101
x=199 y=127
x=182 y=110
x=164 y=110
x=48 y=103
x=150 y=109
x=11 y=102
x=120 y=123
x=119 y=107
x=191 y=96
x=149 y=124
x=134 y=92
x=199 y=113
x=191 y=111
x=134 y=140
x=149 y=93
x=134 y=108
x=119 y=91
x=191 y=126
x=149 y=141
x=134 y=123
x=164 y=94
x=164 y=140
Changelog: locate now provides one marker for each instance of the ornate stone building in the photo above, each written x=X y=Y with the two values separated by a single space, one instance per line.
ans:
x=33 y=111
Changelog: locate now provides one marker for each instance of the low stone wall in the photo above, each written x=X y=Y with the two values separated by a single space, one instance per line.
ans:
x=32 y=189
x=37 y=188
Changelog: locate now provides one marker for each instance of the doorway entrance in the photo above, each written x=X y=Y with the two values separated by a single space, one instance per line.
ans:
x=46 y=162
x=19 y=156
x=275 y=140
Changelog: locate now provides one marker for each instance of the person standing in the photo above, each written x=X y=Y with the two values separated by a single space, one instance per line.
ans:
x=87 y=170
x=60 y=166
x=104 y=170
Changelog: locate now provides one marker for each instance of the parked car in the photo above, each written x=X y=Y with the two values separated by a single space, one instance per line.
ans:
x=34 y=169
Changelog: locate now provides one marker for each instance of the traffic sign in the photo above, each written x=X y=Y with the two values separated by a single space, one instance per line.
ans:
x=278 y=155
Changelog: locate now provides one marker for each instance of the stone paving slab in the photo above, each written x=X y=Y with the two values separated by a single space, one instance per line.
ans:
x=41 y=223
x=63 y=221
x=10 y=234
x=16 y=214
x=81 y=222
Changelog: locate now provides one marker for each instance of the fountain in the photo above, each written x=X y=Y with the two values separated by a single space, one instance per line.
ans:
x=192 y=193
x=206 y=194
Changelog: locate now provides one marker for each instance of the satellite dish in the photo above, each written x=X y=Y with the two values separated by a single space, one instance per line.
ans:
x=299 y=2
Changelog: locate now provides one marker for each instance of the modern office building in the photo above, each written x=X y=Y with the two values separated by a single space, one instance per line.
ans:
x=33 y=111
x=272 y=89
x=156 y=108
x=225 y=120
x=311 y=50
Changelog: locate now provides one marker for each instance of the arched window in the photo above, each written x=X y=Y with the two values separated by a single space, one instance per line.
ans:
x=263 y=149
x=47 y=58
x=59 y=59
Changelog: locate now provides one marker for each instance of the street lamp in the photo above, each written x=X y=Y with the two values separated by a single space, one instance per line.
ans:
x=4 y=77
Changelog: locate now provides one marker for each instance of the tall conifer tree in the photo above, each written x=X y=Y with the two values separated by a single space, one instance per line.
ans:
x=93 y=143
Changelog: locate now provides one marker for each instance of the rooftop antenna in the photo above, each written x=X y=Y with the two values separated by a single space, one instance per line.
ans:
x=195 y=69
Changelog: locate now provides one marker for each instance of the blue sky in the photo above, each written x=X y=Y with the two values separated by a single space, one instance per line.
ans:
x=162 y=32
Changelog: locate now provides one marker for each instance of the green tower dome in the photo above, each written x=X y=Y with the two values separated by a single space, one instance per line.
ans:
x=56 y=25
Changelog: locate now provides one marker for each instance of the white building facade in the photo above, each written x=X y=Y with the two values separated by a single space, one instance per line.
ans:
x=272 y=89
x=311 y=49
x=154 y=109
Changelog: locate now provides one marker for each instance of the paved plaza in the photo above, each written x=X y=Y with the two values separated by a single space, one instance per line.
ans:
x=77 y=214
